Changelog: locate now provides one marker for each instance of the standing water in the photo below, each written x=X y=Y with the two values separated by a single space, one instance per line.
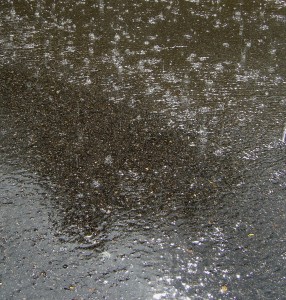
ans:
x=141 y=152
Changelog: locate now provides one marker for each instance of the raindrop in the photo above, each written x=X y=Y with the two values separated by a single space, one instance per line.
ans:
x=80 y=195
x=92 y=36
x=101 y=6
x=88 y=81
x=284 y=135
x=108 y=160
x=95 y=184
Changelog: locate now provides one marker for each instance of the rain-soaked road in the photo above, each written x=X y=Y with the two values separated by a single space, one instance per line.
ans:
x=141 y=149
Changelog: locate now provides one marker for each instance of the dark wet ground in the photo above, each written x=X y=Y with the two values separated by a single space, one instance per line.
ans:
x=141 y=149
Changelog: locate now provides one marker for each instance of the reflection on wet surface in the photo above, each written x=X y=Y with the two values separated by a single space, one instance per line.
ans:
x=157 y=126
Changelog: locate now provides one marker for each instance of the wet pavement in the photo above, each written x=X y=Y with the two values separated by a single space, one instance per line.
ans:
x=142 y=152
